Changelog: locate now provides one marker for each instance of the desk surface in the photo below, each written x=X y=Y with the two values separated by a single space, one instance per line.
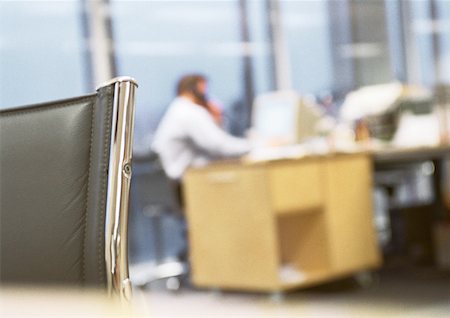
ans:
x=401 y=155
x=380 y=155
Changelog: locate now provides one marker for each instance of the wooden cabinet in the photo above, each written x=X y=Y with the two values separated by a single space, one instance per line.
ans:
x=280 y=225
x=295 y=187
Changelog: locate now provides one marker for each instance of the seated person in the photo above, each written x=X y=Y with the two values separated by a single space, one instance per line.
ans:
x=189 y=134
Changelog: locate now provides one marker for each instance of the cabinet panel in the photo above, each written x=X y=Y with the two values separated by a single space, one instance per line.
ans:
x=303 y=247
x=296 y=187
x=231 y=229
x=349 y=213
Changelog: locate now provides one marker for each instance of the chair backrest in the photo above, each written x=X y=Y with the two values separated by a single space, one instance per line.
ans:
x=65 y=176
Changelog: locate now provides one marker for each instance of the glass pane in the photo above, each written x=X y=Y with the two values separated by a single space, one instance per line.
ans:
x=306 y=28
x=422 y=33
x=427 y=41
x=443 y=31
x=158 y=41
x=260 y=44
x=41 y=51
x=370 y=47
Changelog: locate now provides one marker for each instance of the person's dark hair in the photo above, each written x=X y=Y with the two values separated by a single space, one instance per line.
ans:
x=189 y=83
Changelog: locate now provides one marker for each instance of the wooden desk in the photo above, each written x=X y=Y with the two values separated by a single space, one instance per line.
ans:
x=280 y=225
x=408 y=155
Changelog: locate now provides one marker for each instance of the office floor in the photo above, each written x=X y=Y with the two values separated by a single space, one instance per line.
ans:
x=399 y=292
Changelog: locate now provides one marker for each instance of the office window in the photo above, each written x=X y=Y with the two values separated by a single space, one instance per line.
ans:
x=422 y=29
x=370 y=43
x=306 y=31
x=361 y=51
x=336 y=46
x=443 y=32
x=419 y=30
x=260 y=53
x=431 y=30
x=41 y=51
x=158 y=41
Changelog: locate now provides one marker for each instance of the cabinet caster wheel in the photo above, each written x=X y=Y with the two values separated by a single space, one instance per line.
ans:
x=364 y=279
x=277 y=297
x=216 y=292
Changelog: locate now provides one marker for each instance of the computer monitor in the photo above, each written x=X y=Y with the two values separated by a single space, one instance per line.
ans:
x=284 y=116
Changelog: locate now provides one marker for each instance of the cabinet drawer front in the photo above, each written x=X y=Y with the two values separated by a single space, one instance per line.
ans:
x=296 y=187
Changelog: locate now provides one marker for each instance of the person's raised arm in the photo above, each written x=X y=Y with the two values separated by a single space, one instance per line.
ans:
x=210 y=138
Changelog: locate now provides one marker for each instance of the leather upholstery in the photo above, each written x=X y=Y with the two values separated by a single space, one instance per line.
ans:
x=54 y=169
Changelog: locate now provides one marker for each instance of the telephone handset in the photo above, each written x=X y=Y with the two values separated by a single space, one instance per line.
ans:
x=200 y=96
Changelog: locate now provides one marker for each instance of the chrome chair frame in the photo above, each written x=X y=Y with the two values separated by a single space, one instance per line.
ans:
x=119 y=180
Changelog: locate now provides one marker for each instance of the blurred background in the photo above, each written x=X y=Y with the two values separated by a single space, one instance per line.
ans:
x=322 y=49
x=60 y=48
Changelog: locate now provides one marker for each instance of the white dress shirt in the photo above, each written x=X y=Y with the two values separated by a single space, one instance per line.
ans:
x=187 y=136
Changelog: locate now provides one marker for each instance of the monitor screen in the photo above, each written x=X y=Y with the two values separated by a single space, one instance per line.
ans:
x=284 y=116
x=274 y=116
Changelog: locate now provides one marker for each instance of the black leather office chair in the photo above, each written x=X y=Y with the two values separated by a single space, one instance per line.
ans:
x=65 y=176
x=157 y=197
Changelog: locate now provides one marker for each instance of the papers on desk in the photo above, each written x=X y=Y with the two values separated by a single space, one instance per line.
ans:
x=314 y=147
x=417 y=131
x=371 y=100
x=277 y=153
